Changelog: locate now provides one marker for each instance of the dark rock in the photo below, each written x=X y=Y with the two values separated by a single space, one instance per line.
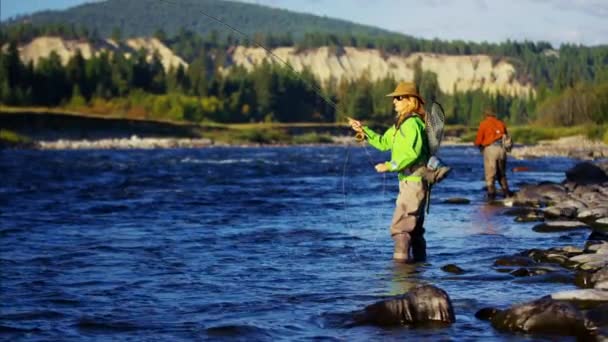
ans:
x=530 y=217
x=451 y=268
x=586 y=173
x=559 y=226
x=597 y=236
x=540 y=194
x=514 y=260
x=504 y=270
x=560 y=211
x=544 y=316
x=599 y=315
x=521 y=272
x=486 y=314
x=553 y=256
x=592 y=214
x=423 y=305
x=457 y=200
x=583 y=279
x=520 y=211
x=562 y=277
x=599 y=276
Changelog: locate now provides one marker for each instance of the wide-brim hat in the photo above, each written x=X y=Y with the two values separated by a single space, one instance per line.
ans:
x=406 y=89
x=489 y=112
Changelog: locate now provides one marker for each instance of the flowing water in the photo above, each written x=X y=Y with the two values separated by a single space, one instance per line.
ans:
x=272 y=243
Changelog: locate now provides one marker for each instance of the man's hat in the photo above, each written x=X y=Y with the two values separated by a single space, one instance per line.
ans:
x=406 y=89
x=489 y=112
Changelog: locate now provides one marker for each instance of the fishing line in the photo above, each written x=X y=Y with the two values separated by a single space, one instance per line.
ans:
x=313 y=87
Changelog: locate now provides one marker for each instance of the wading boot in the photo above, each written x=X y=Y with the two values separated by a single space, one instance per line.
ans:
x=504 y=186
x=491 y=194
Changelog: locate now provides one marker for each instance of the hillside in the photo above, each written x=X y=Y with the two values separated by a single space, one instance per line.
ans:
x=461 y=73
x=136 y=18
x=207 y=72
x=42 y=47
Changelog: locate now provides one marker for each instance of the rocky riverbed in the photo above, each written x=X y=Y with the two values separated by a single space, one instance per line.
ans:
x=134 y=142
x=579 y=147
x=579 y=202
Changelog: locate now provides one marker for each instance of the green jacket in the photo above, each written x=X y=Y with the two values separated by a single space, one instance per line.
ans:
x=409 y=146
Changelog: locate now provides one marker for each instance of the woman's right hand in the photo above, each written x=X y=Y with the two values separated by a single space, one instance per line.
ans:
x=355 y=125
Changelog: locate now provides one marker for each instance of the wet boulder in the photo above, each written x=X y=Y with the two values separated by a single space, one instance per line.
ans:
x=559 y=226
x=596 y=237
x=585 y=295
x=422 y=305
x=451 y=268
x=601 y=224
x=599 y=279
x=586 y=173
x=592 y=214
x=542 y=316
x=567 y=209
x=457 y=200
x=540 y=194
x=514 y=260
x=595 y=259
x=558 y=255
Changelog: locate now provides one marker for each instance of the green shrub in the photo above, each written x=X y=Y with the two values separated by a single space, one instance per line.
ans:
x=597 y=132
x=262 y=136
x=312 y=138
x=534 y=134
x=10 y=138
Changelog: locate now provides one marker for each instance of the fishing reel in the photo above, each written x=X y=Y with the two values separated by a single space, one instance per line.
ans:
x=360 y=137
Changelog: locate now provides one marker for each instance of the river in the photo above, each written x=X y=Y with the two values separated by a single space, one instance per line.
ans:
x=237 y=243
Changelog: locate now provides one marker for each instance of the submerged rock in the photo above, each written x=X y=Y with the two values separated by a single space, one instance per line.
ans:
x=451 y=268
x=530 y=217
x=593 y=214
x=425 y=304
x=559 y=226
x=586 y=173
x=582 y=295
x=599 y=279
x=514 y=260
x=457 y=200
x=542 y=316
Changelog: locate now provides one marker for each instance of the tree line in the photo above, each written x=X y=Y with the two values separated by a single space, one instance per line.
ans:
x=142 y=87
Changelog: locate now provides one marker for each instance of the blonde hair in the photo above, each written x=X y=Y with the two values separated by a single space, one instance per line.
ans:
x=414 y=106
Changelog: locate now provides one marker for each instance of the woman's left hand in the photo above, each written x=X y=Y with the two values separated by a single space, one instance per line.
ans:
x=381 y=167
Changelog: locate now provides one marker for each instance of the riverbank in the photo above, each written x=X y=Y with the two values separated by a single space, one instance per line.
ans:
x=578 y=147
x=51 y=129
x=576 y=204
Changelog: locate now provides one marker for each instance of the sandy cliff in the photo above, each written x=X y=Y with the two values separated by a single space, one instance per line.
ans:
x=43 y=46
x=453 y=72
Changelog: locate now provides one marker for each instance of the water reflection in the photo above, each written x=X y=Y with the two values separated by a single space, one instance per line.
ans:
x=405 y=276
x=483 y=219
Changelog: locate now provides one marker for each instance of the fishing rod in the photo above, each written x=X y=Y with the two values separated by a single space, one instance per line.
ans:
x=359 y=136
x=316 y=89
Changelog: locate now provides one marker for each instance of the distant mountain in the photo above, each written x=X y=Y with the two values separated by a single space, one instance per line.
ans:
x=137 y=18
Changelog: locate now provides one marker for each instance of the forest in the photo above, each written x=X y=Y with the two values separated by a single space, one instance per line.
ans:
x=571 y=82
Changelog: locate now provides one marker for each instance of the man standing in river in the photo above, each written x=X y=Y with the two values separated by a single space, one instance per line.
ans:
x=490 y=142
x=409 y=147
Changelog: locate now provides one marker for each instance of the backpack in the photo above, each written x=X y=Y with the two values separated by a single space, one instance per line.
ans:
x=434 y=171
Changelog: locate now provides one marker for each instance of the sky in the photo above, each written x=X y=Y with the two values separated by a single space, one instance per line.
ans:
x=555 y=21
